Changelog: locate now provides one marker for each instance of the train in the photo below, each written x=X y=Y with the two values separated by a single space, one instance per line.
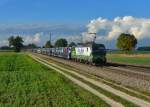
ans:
x=91 y=53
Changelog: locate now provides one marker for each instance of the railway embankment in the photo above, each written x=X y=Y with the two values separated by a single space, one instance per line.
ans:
x=132 y=96
x=135 y=80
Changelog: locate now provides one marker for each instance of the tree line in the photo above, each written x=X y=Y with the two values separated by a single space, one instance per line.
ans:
x=144 y=48
x=125 y=42
x=16 y=43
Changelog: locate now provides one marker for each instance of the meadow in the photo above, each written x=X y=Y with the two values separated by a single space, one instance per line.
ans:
x=26 y=83
x=133 y=59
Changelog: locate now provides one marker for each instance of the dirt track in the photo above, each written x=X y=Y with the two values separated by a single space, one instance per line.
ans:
x=83 y=85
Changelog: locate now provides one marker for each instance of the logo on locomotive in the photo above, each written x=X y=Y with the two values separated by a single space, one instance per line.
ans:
x=80 y=50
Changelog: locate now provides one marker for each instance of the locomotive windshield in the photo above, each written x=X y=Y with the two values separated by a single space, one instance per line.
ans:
x=99 y=48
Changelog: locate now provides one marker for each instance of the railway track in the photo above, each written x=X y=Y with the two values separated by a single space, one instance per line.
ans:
x=127 y=77
x=131 y=67
x=134 y=100
x=130 y=70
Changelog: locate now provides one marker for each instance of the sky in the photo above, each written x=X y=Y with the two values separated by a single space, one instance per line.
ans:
x=71 y=19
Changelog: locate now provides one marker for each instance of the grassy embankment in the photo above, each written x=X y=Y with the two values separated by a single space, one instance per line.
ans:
x=133 y=59
x=27 y=83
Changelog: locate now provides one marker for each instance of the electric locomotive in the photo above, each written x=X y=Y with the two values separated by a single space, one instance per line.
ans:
x=89 y=53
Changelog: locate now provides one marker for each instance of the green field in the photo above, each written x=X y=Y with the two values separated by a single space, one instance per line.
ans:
x=132 y=52
x=26 y=83
x=139 y=59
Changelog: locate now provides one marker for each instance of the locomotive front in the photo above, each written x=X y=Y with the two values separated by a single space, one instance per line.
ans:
x=98 y=54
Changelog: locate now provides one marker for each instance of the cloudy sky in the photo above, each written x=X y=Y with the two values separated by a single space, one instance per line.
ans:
x=74 y=19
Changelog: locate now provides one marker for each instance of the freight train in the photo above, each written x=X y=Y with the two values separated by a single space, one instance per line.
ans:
x=91 y=53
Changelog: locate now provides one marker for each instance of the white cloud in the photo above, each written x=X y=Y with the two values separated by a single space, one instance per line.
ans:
x=111 y=29
x=72 y=38
x=88 y=37
x=36 y=39
x=4 y=43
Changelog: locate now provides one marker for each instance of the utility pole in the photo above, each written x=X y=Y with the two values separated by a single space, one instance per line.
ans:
x=81 y=39
x=94 y=36
x=50 y=34
x=50 y=38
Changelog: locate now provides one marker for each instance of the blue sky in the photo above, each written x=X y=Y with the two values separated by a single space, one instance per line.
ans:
x=69 y=11
x=68 y=17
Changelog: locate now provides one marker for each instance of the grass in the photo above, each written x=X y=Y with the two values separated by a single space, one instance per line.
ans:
x=142 y=60
x=27 y=83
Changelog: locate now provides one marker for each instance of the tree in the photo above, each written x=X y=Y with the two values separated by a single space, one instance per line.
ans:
x=48 y=45
x=32 y=45
x=16 y=42
x=61 y=43
x=11 y=40
x=5 y=48
x=126 y=42
x=144 y=48
x=72 y=44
